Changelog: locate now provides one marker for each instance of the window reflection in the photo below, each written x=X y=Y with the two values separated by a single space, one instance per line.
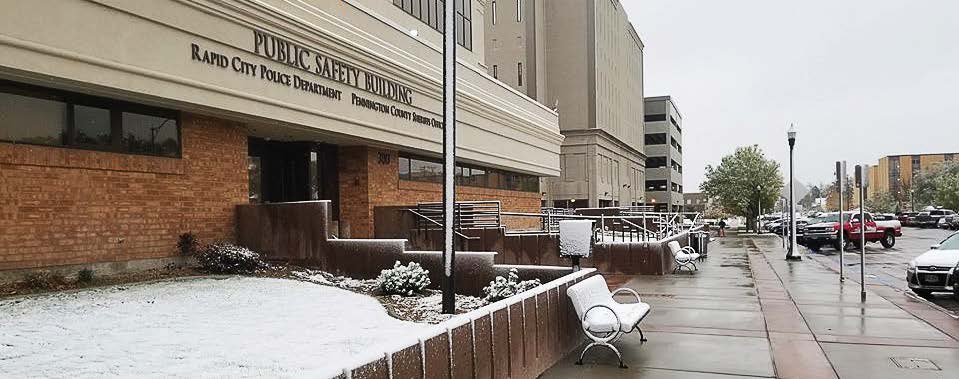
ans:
x=424 y=170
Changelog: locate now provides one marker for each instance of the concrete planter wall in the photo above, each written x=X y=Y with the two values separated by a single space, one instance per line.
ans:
x=519 y=337
x=610 y=258
x=298 y=233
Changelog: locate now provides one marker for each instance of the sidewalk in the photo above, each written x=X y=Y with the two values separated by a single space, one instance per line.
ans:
x=748 y=312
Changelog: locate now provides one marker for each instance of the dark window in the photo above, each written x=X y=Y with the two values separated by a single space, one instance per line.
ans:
x=656 y=185
x=404 y=168
x=656 y=139
x=519 y=10
x=495 y=71
x=149 y=134
x=92 y=125
x=43 y=116
x=519 y=74
x=655 y=162
x=916 y=164
x=430 y=12
x=676 y=124
x=493 y=8
x=32 y=120
x=948 y=157
x=428 y=170
x=655 y=117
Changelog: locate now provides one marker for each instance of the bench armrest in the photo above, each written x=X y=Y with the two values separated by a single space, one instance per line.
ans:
x=616 y=328
x=630 y=290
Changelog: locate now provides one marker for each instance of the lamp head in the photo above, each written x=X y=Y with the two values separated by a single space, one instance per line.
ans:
x=791 y=134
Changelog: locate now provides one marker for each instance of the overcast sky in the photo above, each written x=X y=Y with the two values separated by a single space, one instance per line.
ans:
x=883 y=71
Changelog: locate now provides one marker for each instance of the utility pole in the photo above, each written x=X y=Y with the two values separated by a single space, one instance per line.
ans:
x=840 y=185
x=449 y=155
x=862 y=235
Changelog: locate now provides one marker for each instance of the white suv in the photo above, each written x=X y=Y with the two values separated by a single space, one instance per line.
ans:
x=935 y=270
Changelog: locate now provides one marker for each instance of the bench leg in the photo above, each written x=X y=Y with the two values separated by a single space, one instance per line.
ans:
x=611 y=347
x=642 y=337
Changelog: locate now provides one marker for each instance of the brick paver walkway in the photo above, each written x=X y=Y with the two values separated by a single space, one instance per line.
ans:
x=749 y=313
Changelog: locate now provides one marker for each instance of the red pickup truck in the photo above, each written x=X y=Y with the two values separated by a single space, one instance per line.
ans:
x=824 y=230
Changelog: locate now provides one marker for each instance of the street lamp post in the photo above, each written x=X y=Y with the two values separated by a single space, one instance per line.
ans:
x=449 y=157
x=790 y=254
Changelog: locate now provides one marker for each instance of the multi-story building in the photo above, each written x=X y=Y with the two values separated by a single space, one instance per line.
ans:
x=893 y=173
x=695 y=202
x=585 y=60
x=664 y=154
x=126 y=123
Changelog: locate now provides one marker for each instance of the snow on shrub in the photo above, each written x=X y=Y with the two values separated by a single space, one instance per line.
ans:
x=501 y=288
x=403 y=280
x=226 y=258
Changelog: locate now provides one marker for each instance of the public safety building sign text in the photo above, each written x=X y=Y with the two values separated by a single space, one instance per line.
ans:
x=318 y=65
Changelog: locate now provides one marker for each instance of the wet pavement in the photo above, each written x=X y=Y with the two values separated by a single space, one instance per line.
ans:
x=749 y=313
x=888 y=266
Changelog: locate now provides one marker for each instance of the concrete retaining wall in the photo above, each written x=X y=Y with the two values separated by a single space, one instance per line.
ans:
x=297 y=233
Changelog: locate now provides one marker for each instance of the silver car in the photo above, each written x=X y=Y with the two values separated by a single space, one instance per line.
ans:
x=935 y=270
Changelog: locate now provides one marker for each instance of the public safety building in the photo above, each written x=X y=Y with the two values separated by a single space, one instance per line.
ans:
x=126 y=123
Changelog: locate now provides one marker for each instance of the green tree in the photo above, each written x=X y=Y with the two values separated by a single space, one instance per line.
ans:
x=814 y=193
x=882 y=203
x=922 y=190
x=744 y=182
x=936 y=186
x=947 y=187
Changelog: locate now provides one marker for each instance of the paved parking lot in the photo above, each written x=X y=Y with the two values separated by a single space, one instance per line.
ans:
x=888 y=266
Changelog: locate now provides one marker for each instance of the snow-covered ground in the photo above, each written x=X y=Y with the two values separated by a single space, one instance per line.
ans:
x=235 y=327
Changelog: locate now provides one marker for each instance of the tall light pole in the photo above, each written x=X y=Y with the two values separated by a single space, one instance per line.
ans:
x=790 y=254
x=449 y=155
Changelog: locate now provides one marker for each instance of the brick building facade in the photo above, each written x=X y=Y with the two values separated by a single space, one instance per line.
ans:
x=163 y=116
x=370 y=178
x=65 y=206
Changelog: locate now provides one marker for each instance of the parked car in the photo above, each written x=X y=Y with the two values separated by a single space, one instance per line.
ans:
x=931 y=218
x=885 y=217
x=947 y=221
x=908 y=218
x=825 y=231
x=936 y=270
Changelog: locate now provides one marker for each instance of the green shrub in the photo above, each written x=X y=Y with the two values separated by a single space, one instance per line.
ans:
x=226 y=258
x=85 y=276
x=501 y=288
x=403 y=280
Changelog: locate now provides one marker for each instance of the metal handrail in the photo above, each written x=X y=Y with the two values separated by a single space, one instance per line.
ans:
x=461 y=235
x=601 y=218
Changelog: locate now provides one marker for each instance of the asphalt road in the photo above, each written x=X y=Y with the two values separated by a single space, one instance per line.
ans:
x=888 y=266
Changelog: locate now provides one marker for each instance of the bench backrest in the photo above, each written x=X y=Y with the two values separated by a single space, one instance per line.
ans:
x=589 y=292
x=674 y=247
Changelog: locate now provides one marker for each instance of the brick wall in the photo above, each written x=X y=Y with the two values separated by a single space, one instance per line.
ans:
x=369 y=178
x=66 y=206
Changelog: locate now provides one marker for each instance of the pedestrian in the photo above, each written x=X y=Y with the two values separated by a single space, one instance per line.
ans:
x=722 y=227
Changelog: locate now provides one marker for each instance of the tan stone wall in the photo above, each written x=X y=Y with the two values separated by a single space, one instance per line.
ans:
x=66 y=206
x=367 y=181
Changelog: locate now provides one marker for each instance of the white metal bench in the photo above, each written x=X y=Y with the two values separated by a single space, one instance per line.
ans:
x=603 y=319
x=684 y=256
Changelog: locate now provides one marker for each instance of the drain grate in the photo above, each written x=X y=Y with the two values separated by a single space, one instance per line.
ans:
x=915 y=363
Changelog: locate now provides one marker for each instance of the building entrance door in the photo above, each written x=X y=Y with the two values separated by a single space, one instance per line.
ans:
x=293 y=171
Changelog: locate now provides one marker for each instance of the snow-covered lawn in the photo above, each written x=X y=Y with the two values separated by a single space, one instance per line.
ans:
x=235 y=327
